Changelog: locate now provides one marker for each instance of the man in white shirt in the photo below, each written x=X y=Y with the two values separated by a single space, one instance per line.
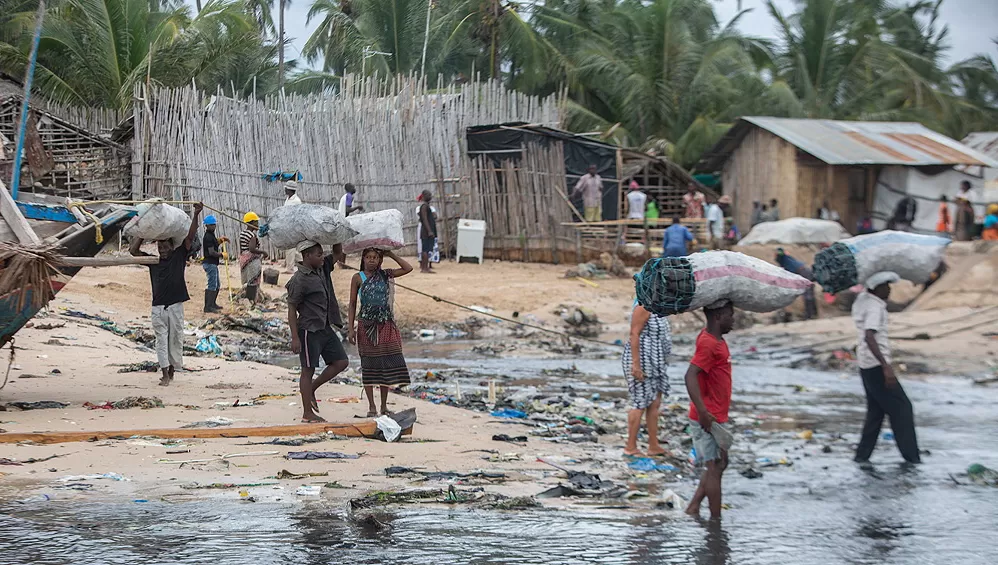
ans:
x=884 y=395
x=348 y=202
x=291 y=191
x=715 y=222
x=636 y=202
x=590 y=186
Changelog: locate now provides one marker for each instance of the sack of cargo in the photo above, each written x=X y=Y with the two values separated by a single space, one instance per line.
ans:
x=290 y=225
x=671 y=285
x=851 y=261
x=157 y=221
x=381 y=230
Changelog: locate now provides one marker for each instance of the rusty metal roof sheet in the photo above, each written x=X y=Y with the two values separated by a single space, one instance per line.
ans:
x=985 y=142
x=859 y=143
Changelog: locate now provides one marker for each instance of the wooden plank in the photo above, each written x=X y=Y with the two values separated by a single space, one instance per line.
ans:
x=108 y=261
x=364 y=428
x=15 y=220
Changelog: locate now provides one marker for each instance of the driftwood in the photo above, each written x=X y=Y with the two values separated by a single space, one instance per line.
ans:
x=108 y=261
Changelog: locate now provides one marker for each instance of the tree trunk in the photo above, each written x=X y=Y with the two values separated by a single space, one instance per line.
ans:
x=198 y=2
x=280 y=50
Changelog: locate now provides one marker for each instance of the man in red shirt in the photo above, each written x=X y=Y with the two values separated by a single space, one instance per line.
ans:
x=708 y=382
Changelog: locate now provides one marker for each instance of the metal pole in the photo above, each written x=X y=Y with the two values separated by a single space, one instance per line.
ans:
x=15 y=182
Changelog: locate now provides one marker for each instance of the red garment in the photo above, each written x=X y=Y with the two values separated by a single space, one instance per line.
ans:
x=714 y=361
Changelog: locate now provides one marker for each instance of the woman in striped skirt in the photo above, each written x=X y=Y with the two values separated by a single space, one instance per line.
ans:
x=647 y=381
x=375 y=333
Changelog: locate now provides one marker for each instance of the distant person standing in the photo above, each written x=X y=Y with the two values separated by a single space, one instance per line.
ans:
x=945 y=223
x=348 y=202
x=590 y=186
x=428 y=234
x=904 y=214
x=884 y=395
x=636 y=202
x=435 y=252
x=693 y=200
x=169 y=292
x=774 y=211
x=715 y=223
x=210 y=245
x=757 y=209
x=963 y=229
x=676 y=237
x=968 y=193
x=251 y=256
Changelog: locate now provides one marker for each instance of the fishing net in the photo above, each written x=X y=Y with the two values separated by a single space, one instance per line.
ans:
x=26 y=275
x=835 y=268
x=665 y=285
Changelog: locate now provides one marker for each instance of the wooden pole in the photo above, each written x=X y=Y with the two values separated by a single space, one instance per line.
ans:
x=108 y=261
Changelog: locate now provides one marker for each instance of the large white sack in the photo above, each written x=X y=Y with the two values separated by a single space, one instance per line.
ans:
x=157 y=221
x=795 y=231
x=912 y=256
x=290 y=225
x=380 y=230
x=673 y=285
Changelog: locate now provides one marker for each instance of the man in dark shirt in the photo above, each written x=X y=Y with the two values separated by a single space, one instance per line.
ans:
x=169 y=292
x=798 y=268
x=312 y=313
x=428 y=233
x=210 y=264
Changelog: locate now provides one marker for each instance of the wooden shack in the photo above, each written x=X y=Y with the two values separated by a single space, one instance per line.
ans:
x=804 y=163
x=522 y=180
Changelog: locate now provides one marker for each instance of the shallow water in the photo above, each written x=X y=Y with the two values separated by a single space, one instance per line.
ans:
x=824 y=509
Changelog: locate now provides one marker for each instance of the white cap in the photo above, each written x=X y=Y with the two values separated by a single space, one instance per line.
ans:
x=307 y=244
x=291 y=185
x=883 y=277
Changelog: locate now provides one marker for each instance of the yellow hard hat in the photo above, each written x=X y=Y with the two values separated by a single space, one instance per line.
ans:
x=993 y=209
x=251 y=217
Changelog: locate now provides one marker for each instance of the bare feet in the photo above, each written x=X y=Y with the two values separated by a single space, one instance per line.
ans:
x=312 y=419
x=693 y=510
x=656 y=452
x=164 y=381
x=372 y=413
x=634 y=452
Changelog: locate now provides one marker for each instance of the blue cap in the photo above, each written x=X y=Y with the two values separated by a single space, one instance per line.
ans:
x=210 y=220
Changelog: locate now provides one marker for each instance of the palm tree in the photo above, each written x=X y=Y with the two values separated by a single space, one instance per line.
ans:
x=281 y=45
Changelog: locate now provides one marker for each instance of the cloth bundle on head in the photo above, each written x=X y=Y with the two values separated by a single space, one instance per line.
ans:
x=380 y=230
x=291 y=185
x=290 y=225
x=911 y=256
x=671 y=285
x=158 y=222
x=883 y=277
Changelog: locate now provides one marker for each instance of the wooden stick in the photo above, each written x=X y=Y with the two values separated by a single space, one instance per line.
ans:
x=364 y=428
x=108 y=261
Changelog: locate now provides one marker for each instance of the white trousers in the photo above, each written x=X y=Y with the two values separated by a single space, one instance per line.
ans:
x=168 y=324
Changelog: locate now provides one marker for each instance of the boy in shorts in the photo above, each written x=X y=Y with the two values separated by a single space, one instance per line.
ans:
x=708 y=382
x=312 y=311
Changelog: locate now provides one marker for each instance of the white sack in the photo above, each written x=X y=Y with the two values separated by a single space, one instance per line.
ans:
x=749 y=283
x=381 y=230
x=290 y=225
x=912 y=256
x=795 y=231
x=157 y=221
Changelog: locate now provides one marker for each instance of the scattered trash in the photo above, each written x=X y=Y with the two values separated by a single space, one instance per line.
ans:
x=806 y=435
x=141 y=367
x=750 y=473
x=671 y=500
x=228 y=386
x=215 y=422
x=982 y=475
x=310 y=455
x=84 y=316
x=648 y=464
x=35 y=498
x=77 y=478
x=504 y=437
x=444 y=475
x=344 y=400
x=389 y=428
x=198 y=486
x=40 y=405
x=125 y=403
x=50 y=326
x=887 y=436
x=5 y=461
x=285 y=474
x=209 y=344
x=309 y=490
x=508 y=413
x=766 y=462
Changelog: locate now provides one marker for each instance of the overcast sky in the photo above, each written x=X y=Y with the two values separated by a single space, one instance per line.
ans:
x=972 y=23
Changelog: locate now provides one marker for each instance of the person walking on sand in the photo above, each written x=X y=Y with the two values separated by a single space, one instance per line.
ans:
x=884 y=394
x=428 y=231
x=708 y=382
x=590 y=186
x=212 y=253
x=169 y=292
x=647 y=381
x=348 y=202
x=251 y=256
x=378 y=339
x=312 y=313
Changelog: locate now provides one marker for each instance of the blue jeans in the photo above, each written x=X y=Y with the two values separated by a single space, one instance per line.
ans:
x=211 y=271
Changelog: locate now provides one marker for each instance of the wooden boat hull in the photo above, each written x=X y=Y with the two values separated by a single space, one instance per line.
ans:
x=81 y=242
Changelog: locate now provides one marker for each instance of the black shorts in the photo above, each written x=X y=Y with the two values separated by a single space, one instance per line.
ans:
x=323 y=343
x=427 y=244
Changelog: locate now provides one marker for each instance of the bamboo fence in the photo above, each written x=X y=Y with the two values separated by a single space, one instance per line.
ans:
x=390 y=139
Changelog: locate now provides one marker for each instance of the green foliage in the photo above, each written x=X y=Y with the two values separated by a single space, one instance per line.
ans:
x=661 y=75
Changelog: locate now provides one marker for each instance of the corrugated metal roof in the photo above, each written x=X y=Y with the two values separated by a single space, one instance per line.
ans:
x=985 y=142
x=871 y=143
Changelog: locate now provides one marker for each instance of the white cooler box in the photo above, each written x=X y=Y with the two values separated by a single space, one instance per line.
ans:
x=470 y=241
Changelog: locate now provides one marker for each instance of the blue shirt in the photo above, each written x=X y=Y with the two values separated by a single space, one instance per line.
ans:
x=789 y=263
x=676 y=237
